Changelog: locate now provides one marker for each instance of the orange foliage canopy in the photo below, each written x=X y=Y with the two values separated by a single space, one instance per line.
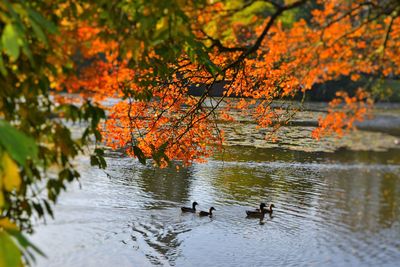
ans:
x=259 y=61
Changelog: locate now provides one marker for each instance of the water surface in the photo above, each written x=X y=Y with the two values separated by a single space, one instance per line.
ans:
x=332 y=209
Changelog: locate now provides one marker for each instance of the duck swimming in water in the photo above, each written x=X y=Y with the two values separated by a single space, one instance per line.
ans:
x=269 y=210
x=192 y=209
x=262 y=206
x=259 y=213
x=205 y=213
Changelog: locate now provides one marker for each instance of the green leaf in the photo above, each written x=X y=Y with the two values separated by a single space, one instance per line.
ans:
x=9 y=40
x=93 y=161
x=48 y=25
x=3 y=70
x=17 y=144
x=24 y=242
x=97 y=134
x=38 y=208
x=160 y=154
x=99 y=151
x=98 y=160
x=139 y=154
x=38 y=32
x=48 y=208
x=10 y=255
x=103 y=163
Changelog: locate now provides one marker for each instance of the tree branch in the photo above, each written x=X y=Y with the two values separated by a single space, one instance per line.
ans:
x=257 y=44
x=221 y=48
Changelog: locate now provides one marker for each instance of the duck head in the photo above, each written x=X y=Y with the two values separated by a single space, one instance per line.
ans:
x=211 y=209
x=271 y=206
x=262 y=206
x=195 y=204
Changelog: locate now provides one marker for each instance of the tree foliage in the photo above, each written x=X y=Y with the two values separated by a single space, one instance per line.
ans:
x=36 y=145
x=259 y=51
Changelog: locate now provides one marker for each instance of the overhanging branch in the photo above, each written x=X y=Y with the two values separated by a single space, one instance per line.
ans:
x=257 y=44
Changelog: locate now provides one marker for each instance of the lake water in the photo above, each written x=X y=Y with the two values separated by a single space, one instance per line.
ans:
x=332 y=209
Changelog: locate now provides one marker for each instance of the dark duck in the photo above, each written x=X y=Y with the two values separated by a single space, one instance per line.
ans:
x=269 y=209
x=205 y=213
x=262 y=206
x=192 y=209
x=260 y=213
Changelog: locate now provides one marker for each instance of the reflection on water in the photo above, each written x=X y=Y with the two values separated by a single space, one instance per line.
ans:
x=332 y=209
x=165 y=186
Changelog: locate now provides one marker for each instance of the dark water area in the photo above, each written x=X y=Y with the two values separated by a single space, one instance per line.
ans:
x=332 y=209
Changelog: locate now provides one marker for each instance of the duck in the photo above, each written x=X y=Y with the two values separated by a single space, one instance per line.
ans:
x=205 y=213
x=262 y=206
x=192 y=209
x=269 y=209
x=260 y=213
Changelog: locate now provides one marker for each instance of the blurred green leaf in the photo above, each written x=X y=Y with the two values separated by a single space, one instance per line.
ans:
x=24 y=242
x=48 y=25
x=9 y=40
x=18 y=145
x=39 y=32
x=3 y=70
x=139 y=154
x=10 y=256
